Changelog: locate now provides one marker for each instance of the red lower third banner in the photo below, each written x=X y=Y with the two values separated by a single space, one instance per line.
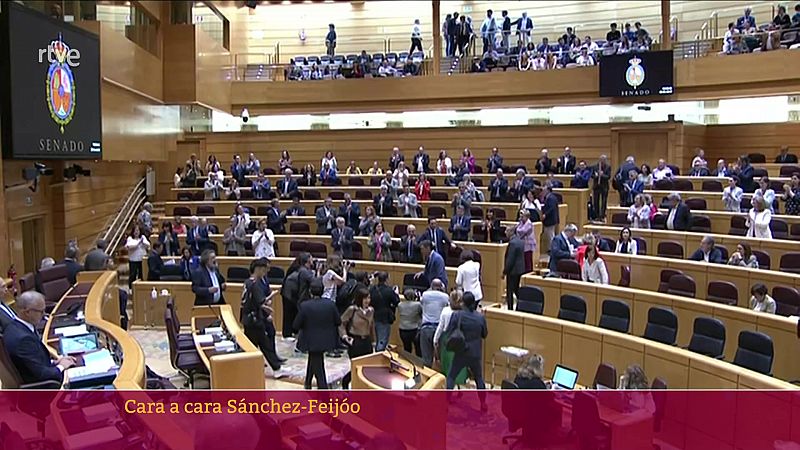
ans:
x=396 y=420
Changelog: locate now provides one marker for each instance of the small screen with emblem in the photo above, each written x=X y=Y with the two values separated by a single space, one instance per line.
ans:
x=636 y=74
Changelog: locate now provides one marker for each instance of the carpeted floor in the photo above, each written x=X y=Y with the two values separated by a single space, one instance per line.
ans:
x=156 y=349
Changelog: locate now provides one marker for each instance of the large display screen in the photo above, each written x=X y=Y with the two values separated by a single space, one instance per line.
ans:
x=636 y=74
x=49 y=87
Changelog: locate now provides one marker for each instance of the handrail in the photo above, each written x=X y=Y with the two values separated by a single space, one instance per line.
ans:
x=704 y=30
x=714 y=21
x=114 y=232
x=673 y=21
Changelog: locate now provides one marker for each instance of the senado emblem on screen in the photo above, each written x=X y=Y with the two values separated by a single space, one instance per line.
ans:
x=60 y=85
x=634 y=76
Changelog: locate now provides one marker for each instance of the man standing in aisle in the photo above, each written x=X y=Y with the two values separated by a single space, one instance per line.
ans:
x=416 y=37
x=488 y=31
x=330 y=40
x=514 y=265
x=317 y=321
x=524 y=27
x=601 y=174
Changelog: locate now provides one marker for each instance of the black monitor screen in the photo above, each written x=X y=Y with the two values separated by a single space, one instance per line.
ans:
x=636 y=74
x=49 y=86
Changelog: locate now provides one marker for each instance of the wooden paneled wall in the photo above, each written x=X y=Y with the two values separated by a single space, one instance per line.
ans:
x=364 y=25
x=730 y=141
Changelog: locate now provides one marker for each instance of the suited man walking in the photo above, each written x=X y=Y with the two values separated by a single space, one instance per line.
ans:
x=318 y=322
x=434 y=264
x=409 y=252
x=473 y=325
x=25 y=347
x=342 y=239
x=436 y=236
x=679 y=217
x=207 y=283
x=325 y=217
x=514 y=265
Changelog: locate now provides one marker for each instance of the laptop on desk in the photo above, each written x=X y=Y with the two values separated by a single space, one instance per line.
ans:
x=564 y=377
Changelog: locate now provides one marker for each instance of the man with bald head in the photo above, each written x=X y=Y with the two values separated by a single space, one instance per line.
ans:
x=25 y=346
x=433 y=302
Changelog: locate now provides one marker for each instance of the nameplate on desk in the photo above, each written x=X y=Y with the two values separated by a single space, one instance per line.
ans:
x=224 y=346
x=213 y=330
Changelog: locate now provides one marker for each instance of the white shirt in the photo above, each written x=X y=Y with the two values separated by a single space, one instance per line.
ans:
x=639 y=217
x=768 y=196
x=733 y=199
x=539 y=63
x=212 y=274
x=263 y=243
x=444 y=322
x=633 y=247
x=468 y=277
x=660 y=174
x=671 y=219
x=591 y=46
x=595 y=272
x=447 y=163
x=331 y=163
x=416 y=32
x=137 y=248
x=409 y=204
x=401 y=177
x=758 y=224
x=584 y=60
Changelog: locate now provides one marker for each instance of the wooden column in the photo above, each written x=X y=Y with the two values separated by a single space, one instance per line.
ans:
x=437 y=37
x=666 y=37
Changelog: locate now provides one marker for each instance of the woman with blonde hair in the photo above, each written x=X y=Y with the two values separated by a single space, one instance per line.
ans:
x=530 y=374
x=634 y=378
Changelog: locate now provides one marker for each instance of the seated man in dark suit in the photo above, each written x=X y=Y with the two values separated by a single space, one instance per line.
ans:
x=679 y=218
x=409 y=247
x=207 y=283
x=785 y=157
x=71 y=261
x=708 y=252
x=563 y=246
x=25 y=347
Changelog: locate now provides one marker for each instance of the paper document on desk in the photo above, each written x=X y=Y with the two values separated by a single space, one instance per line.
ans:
x=94 y=362
x=71 y=331
x=203 y=339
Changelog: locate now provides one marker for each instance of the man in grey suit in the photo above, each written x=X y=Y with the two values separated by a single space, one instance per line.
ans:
x=342 y=239
x=514 y=265
x=325 y=217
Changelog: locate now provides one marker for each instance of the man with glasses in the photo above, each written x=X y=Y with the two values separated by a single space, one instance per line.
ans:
x=25 y=347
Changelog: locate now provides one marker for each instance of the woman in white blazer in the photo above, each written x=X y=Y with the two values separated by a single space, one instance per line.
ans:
x=758 y=220
x=626 y=243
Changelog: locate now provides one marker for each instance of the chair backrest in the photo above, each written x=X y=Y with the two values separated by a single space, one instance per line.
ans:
x=311 y=194
x=586 y=420
x=176 y=323
x=530 y=299
x=787 y=300
x=615 y=315
x=299 y=228
x=794 y=231
x=296 y=247
x=172 y=338
x=411 y=282
x=755 y=352
x=757 y=158
x=363 y=194
x=670 y=249
x=619 y=219
x=27 y=282
x=712 y=186
x=666 y=274
x=662 y=325
x=54 y=289
x=682 y=285
x=317 y=249
x=400 y=230
x=437 y=212
x=788 y=170
x=738 y=226
x=181 y=211
x=171 y=272
x=439 y=196
x=723 y=292
x=641 y=246
x=606 y=375
x=700 y=224
x=764 y=260
x=9 y=376
x=625 y=276
x=476 y=212
x=355 y=181
x=569 y=268
x=336 y=195
x=708 y=337
x=790 y=262
x=205 y=210
x=238 y=274
x=779 y=228
x=682 y=185
x=665 y=184
x=572 y=308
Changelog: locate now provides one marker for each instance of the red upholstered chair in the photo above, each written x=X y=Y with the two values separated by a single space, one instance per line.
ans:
x=788 y=170
x=666 y=274
x=54 y=284
x=476 y=212
x=317 y=249
x=311 y=194
x=400 y=230
x=363 y=194
x=722 y=292
x=205 y=210
x=437 y=212
x=641 y=246
x=790 y=262
x=670 y=249
x=780 y=229
x=297 y=247
x=375 y=181
x=478 y=234
x=299 y=228
x=663 y=185
x=439 y=196
x=787 y=300
x=696 y=204
x=355 y=181
x=606 y=375
x=620 y=219
x=569 y=269
x=185 y=196
x=683 y=185
x=764 y=261
x=358 y=250
x=712 y=186
x=499 y=213
x=336 y=195
x=757 y=158
x=199 y=196
x=269 y=171
x=738 y=226
x=794 y=232
x=27 y=282
x=682 y=285
x=625 y=276
x=700 y=224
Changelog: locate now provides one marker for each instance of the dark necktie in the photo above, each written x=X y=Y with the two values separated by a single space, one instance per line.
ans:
x=410 y=246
